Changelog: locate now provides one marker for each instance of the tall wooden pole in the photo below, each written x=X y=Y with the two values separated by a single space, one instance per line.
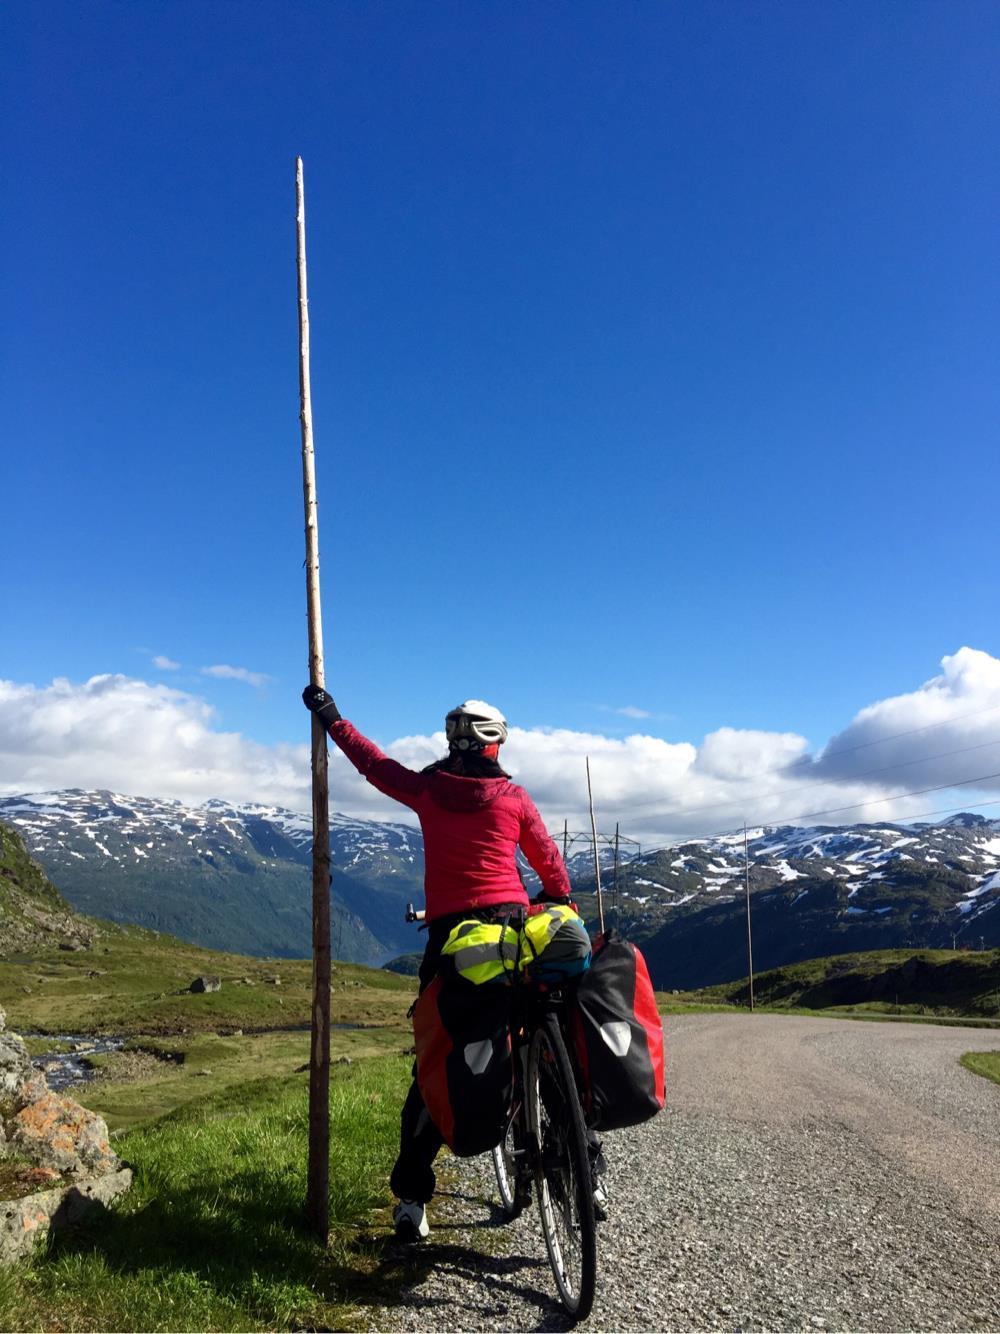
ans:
x=318 y=1188
x=618 y=911
x=597 y=857
x=746 y=871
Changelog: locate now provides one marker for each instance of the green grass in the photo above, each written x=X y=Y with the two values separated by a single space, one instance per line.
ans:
x=985 y=1063
x=693 y=1002
x=140 y=985
x=190 y=1069
x=689 y=1002
x=46 y=1046
x=211 y=1236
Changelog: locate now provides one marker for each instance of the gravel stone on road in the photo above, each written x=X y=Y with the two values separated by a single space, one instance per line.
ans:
x=808 y=1174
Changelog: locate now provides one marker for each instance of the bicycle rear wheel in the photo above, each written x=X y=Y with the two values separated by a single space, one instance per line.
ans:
x=562 y=1181
x=505 y=1166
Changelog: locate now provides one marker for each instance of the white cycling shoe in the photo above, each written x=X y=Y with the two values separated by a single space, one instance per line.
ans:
x=600 y=1200
x=409 y=1218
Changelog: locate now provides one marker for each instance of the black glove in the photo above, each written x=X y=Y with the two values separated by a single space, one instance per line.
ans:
x=319 y=702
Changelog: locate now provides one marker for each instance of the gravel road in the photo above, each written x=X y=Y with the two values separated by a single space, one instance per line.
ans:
x=808 y=1174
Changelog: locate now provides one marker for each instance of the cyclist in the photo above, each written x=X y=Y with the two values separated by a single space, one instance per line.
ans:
x=473 y=820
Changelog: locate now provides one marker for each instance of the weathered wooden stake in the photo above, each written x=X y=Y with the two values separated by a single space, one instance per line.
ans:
x=597 y=856
x=318 y=1188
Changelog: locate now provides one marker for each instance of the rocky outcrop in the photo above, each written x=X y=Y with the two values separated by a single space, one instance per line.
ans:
x=26 y=1221
x=15 y=1063
x=47 y=1140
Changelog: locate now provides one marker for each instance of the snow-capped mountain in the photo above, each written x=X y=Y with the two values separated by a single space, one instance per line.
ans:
x=233 y=877
x=238 y=878
x=872 y=861
x=814 y=891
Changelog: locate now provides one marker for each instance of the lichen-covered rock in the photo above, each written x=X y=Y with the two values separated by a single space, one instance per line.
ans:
x=15 y=1063
x=30 y=1089
x=58 y=1133
x=27 y=1221
x=3 y=1019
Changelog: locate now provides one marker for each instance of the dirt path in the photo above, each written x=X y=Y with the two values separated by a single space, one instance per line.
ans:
x=809 y=1174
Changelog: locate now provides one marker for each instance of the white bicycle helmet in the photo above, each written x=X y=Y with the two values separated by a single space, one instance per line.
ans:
x=475 y=725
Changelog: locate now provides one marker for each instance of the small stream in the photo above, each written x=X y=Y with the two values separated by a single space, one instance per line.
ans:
x=62 y=1068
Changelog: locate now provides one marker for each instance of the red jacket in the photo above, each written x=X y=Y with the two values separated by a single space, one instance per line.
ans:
x=471 y=826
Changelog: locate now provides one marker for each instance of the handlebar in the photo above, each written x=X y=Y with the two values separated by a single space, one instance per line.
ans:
x=415 y=914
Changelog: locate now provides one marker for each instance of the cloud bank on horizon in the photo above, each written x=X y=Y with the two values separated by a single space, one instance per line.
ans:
x=153 y=740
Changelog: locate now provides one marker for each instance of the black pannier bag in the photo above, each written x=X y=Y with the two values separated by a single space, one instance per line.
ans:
x=464 y=1066
x=618 y=1037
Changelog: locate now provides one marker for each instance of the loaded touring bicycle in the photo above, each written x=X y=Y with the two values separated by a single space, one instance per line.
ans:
x=523 y=1051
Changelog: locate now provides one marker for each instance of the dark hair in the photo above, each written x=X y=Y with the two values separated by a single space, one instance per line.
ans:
x=470 y=765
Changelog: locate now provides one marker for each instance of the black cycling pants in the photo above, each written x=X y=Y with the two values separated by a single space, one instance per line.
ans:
x=419 y=1138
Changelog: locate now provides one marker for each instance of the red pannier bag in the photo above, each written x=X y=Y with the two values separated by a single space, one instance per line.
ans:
x=618 y=1037
x=465 y=1070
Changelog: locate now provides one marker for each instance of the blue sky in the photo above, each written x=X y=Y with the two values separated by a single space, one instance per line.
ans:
x=654 y=355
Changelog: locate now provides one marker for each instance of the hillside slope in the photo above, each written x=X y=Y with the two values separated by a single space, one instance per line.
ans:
x=33 y=914
x=225 y=877
x=944 y=982
x=63 y=972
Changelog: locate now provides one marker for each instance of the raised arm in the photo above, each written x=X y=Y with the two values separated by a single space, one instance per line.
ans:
x=389 y=776
x=542 y=853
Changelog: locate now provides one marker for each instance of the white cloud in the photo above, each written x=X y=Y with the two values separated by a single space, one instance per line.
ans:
x=631 y=711
x=165 y=664
x=227 y=673
x=946 y=731
x=153 y=740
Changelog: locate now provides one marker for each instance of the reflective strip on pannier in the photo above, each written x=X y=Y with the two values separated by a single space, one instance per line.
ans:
x=482 y=952
x=555 y=945
x=618 y=1036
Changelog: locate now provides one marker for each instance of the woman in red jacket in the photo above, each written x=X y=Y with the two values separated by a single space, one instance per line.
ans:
x=473 y=820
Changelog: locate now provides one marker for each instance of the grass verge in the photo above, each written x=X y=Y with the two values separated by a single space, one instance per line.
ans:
x=985 y=1063
x=211 y=1236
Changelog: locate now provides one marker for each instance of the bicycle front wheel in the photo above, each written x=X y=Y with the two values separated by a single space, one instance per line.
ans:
x=562 y=1176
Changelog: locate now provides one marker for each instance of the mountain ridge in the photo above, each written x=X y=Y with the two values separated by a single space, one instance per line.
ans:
x=237 y=877
x=221 y=875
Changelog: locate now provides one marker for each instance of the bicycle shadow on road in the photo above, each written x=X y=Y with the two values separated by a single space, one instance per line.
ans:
x=489 y=1285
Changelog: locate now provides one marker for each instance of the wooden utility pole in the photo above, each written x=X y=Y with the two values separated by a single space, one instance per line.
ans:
x=318 y=1188
x=597 y=858
x=618 y=911
x=746 y=871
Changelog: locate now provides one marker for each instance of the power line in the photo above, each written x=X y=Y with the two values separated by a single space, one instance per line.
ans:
x=842 y=750
x=779 y=820
x=897 y=796
x=798 y=787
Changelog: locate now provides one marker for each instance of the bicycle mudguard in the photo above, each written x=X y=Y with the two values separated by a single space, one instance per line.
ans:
x=618 y=1037
x=465 y=1069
